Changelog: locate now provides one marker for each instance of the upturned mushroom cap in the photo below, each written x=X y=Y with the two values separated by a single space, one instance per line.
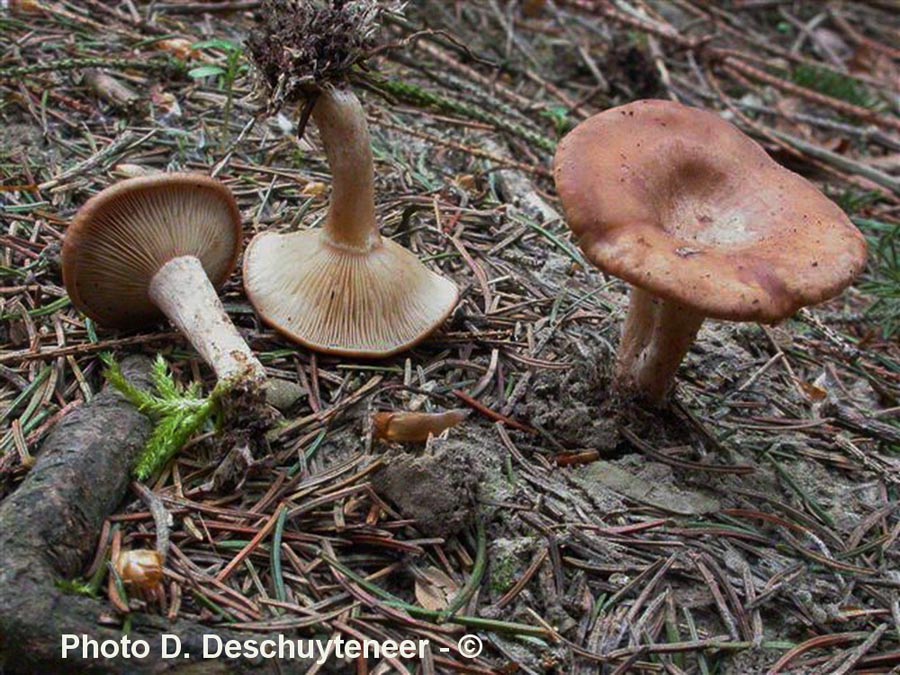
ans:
x=679 y=202
x=122 y=236
x=355 y=303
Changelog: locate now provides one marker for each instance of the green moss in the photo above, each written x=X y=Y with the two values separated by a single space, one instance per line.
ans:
x=835 y=85
x=75 y=587
x=507 y=561
x=504 y=570
x=882 y=279
x=178 y=412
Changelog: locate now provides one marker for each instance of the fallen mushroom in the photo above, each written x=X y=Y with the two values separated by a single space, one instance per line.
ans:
x=180 y=48
x=344 y=289
x=702 y=223
x=140 y=568
x=161 y=245
x=414 y=427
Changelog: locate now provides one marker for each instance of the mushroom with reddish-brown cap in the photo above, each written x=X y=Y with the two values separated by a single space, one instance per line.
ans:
x=160 y=245
x=702 y=223
x=344 y=289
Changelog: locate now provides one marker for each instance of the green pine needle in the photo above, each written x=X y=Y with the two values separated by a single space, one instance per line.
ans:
x=178 y=412
x=882 y=279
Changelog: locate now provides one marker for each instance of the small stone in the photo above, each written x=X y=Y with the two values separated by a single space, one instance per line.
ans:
x=654 y=492
x=283 y=394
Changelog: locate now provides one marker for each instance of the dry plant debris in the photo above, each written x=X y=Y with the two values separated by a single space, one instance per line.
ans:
x=781 y=552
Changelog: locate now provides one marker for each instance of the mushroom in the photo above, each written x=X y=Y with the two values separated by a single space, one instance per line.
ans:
x=140 y=568
x=161 y=245
x=702 y=223
x=344 y=289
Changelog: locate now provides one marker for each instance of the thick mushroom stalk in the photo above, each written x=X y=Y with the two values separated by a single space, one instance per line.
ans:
x=655 y=338
x=183 y=292
x=341 y=121
x=702 y=223
x=344 y=289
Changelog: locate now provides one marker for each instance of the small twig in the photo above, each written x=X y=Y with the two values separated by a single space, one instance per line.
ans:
x=209 y=7
x=647 y=449
x=159 y=64
x=161 y=517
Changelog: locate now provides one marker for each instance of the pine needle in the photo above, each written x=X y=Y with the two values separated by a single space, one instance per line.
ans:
x=883 y=280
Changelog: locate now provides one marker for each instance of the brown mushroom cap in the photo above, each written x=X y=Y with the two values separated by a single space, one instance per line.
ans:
x=341 y=301
x=679 y=202
x=122 y=236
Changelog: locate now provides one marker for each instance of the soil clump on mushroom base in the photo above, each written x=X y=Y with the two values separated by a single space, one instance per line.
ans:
x=579 y=409
x=242 y=444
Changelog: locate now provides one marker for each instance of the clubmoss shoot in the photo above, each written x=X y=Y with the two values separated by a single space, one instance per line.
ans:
x=178 y=412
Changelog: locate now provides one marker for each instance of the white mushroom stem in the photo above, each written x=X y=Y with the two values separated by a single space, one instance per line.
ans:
x=345 y=134
x=656 y=336
x=183 y=292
